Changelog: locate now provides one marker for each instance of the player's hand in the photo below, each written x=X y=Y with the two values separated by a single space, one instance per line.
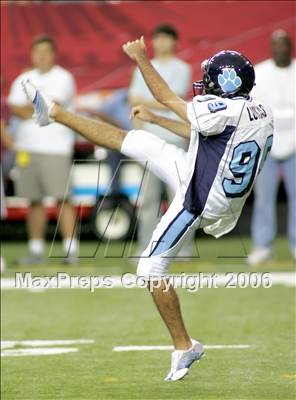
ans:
x=143 y=113
x=135 y=49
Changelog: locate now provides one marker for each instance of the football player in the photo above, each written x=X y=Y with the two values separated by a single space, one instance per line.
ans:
x=230 y=136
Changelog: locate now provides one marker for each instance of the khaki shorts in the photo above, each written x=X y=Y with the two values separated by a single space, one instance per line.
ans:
x=42 y=175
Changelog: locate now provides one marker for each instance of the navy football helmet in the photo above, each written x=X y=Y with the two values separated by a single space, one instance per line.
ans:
x=226 y=74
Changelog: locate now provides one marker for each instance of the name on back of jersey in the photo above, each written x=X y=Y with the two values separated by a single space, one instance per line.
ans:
x=256 y=112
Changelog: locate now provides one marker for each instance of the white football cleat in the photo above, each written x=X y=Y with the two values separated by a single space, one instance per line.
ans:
x=259 y=255
x=41 y=103
x=183 y=359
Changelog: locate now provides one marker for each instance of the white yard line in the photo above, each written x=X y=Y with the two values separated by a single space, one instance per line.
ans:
x=8 y=344
x=65 y=281
x=210 y=347
x=38 y=351
x=10 y=348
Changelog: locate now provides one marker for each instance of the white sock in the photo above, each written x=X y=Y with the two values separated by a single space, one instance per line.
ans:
x=70 y=246
x=36 y=246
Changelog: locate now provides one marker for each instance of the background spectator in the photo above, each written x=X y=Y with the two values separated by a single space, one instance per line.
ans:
x=275 y=85
x=6 y=142
x=7 y=150
x=43 y=157
x=177 y=74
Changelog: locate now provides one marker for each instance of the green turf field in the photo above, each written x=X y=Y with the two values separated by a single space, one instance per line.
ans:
x=261 y=318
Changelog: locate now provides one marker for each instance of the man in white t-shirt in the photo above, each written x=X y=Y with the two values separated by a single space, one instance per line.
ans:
x=275 y=85
x=178 y=76
x=44 y=155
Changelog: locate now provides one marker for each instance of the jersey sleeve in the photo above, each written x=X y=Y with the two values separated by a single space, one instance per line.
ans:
x=207 y=115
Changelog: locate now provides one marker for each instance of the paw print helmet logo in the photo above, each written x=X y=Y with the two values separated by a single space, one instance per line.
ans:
x=227 y=74
x=229 y=81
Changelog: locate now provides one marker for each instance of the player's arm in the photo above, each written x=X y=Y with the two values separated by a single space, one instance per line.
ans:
x=180 y=128
x=162 y=93
x=136 y=100
x=5 y=139
x=17 y=101
x=24 y=112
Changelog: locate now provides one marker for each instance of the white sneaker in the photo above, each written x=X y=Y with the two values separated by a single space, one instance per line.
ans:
x=183 y=359
x=259 y=255
x=41 y=103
